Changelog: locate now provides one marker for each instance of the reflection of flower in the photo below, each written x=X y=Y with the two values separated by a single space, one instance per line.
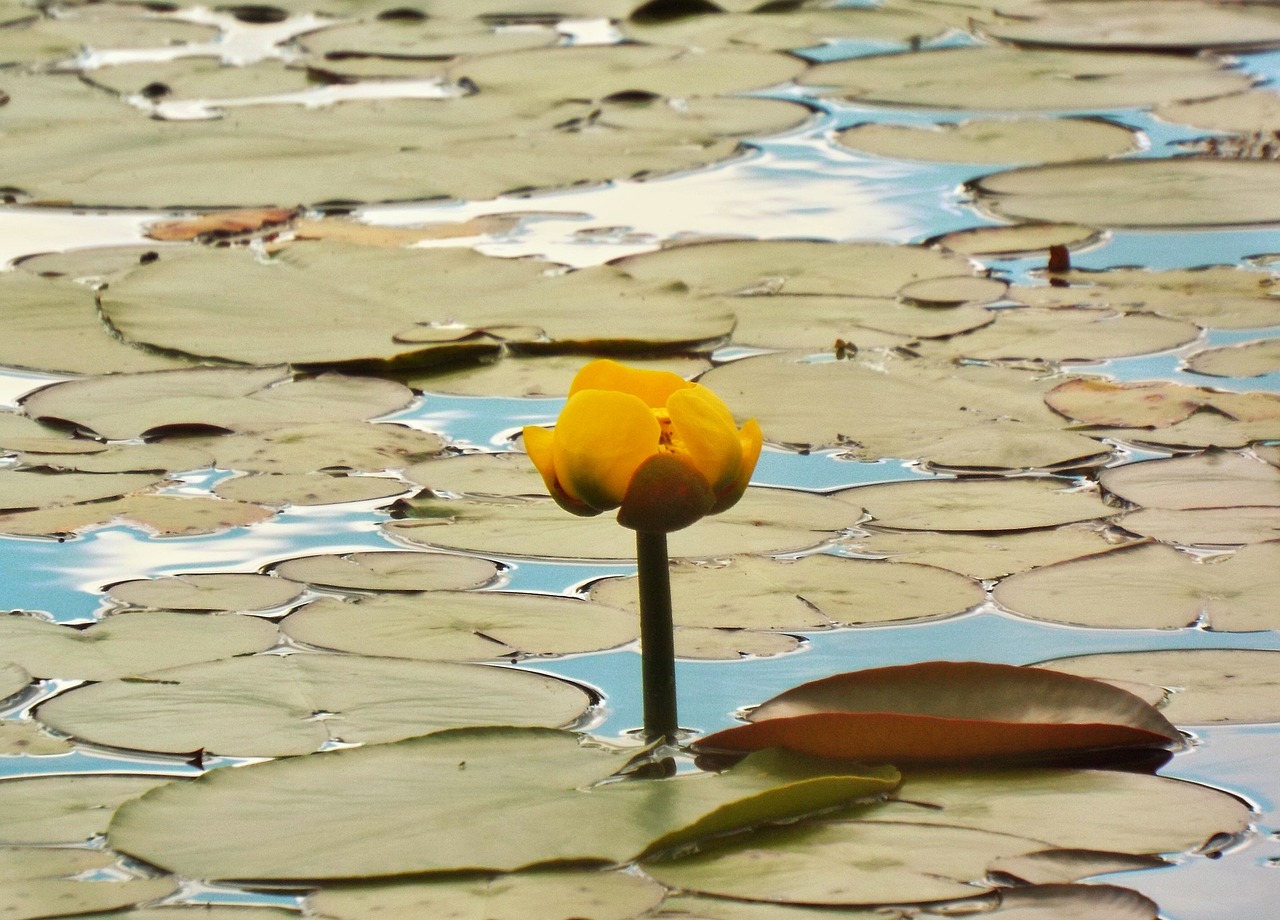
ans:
x=662 y=450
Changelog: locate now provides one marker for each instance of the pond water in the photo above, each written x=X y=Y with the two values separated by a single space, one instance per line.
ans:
x=799 y=185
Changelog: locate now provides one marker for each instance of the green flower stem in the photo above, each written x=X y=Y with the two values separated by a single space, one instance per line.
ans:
x=657 y=644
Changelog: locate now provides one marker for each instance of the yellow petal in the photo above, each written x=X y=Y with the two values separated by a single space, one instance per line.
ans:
x=706 y=434
x=538 y=445
x=653 y=387
x=600 y=440
x=665 y=494
x=752 y=439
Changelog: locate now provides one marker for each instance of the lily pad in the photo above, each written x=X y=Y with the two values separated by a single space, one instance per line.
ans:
x=759 y=27
x=231 y=305
x=1093 y=401
x=541 y=376
x=1201 y=686
x=164 y=515
x=19 y=433
x=1060 y=867
x=42 y=882
x=481 y=776
x=948 y=712
x=273 y=706
x=13 y=679
x=28 y=738
x=816 y=322
x=1003 y=78
x=1016 y=239
x=1181 y=26
x=1250 y=359
x=53 y=326
x=1204 y=526
x=813 y=592
x=1138 y=193
x=414 y=46
x=125 y=406
x=792 y=267
x=276 y=489
x=338 y=445
x=1249 y=111
x=953 y=291
x=904 y=407
x=461 y=626
x=66 y=809
x=389 y=571
x=766 y=520
x=987 y=555
x=123 y=458
x=709 y=644
x=130 y=643
x=49 y=39
x=207 y=911
x=1068 y=334
x=22 y=489
x=1039 y=902
x=1027 y=140
x=508 y=474
x=1218 y=296
x=189 y=78
x=214 y=591
x=546 y=895
x=1153 y=587
x=975 y=505
x=1210 y=480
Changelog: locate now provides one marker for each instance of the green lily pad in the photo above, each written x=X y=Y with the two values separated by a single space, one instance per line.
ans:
x=1068 y=334
x=1152 y=587
x=125 y=406
x=28 y=738
x=1250 y=359
x=1210 y=480
x=1204 y=526
x=206 y=911
x=322 y=446
x=19 y=433
x=461 y=626
x=22 y=489
x=943 y=830
x=765 y=520
x=1138 y=193
x=1002 y=78
x=792 y=267
x=953 y=291
x=546 y=895
x=389 y=571
x=1181 y=26
x=608 y=70
x=905 y=408
x=46 y=40
x=13 y=679
x=42 y=882
x=164 y=515
x=814 y=592
x=758 y=27
x=1219 y=296
x=540 y=376
x=214 y=591
x=1016 y=239
x=975 y=505
x=816 y=322
x=1061 y=867
x=987 y=555
x=1251 y=111
x=271 y=706
x=1027 y=140
x=730 y=644
x=481 y=777
x=1038 y=902
x=53 y=326
x=376 y=310
x=126 y=644
x=1201 y=686
x=124 y=458
x=70 y=809
x=1094 y=401
x=276 y=489
x=507 y=474
x=189 y=78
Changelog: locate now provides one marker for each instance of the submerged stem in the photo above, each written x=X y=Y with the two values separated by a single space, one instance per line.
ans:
x=657 y=644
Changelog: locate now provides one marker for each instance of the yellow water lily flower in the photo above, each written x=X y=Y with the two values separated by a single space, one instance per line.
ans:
x=662 y=450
